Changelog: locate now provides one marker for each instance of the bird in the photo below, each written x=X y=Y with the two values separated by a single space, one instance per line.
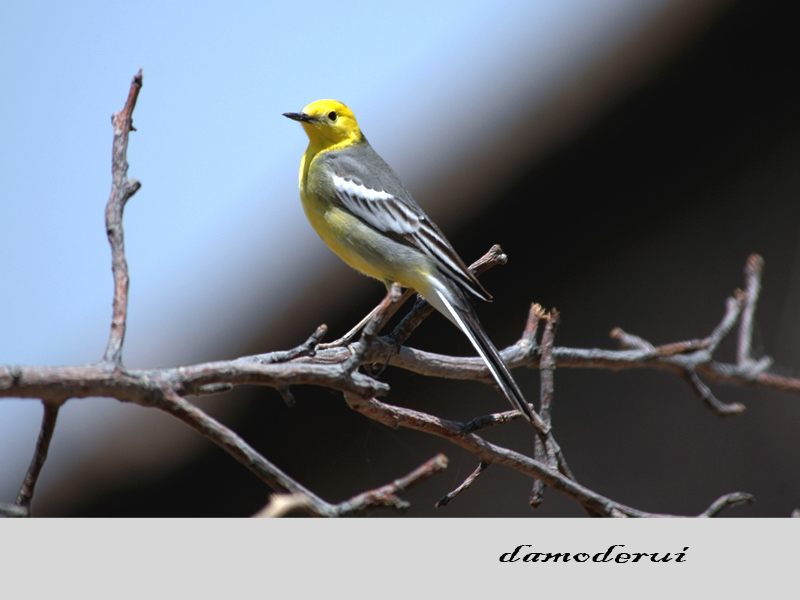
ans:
x=366 y=215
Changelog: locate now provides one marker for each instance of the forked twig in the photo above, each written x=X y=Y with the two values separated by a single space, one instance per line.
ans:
x=385 y=496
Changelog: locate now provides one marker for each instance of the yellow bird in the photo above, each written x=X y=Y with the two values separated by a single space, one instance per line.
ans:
x=364 y=213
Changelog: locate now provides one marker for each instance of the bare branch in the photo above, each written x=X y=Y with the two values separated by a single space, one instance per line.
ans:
x=49 y=417
x=307 y=364
x=489 y=453
x=386 y=496
x=752 y=273
x=307 y=348
x=121 y=190
x=707 y=396
x=22 y=506
x=689 y=358
x=445 y=500
x=547 y=367
x=535 y=314
x=491 y=420
x=142 y=386
x=383 y=497
x=726 y=501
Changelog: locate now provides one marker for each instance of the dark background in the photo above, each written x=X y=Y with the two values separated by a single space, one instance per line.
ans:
x=644 y=221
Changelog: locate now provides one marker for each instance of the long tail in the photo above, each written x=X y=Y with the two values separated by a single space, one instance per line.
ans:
x=462 y=313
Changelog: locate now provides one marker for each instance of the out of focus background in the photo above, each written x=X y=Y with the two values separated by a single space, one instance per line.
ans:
x=628 y=155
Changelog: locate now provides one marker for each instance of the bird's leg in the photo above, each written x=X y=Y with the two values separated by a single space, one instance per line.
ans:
x=348 y=337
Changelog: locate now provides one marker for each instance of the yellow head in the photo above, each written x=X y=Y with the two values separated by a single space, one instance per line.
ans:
x=328 y=123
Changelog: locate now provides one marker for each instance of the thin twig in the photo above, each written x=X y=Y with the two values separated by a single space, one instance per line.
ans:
x=121 y=190
x=490 y=420
x=744 y=350
x=307 y=348
x=445 y=500
x=385 y=496
x=547 y=367
x=725 y=501
x=535 y=314
x=707 y=396
x=49 y=416
x=752 y=273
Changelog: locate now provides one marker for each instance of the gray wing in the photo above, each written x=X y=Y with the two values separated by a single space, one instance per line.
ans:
x=370 y=189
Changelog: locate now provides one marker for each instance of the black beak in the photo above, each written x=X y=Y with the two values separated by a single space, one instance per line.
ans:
x=302 y=117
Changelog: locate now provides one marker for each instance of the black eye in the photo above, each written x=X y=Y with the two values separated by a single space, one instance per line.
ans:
x=332 y=115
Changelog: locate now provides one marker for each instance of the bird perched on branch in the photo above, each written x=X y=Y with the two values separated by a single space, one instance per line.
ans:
x=364 y=213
